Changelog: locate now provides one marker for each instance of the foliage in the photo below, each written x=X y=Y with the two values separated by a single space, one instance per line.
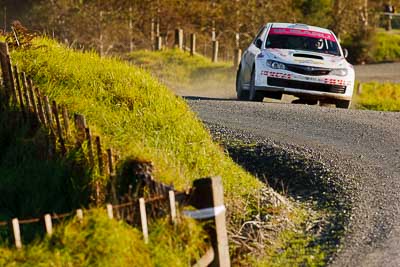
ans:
x=386 y=47
x=359 y=45
x=110 y=26
x=99 y=241
x=375 y=96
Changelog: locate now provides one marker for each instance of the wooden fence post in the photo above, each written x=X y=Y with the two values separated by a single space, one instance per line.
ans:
x=5 y=73
x=179 y=39
x=110 y=213
x=79 y=214
x=80 y=125
x=12 y=84
x=215 y=51
x=237 y=57
x=158 y=45
x=17 y=233
x=152 y=29
x=110 y=161
x=130 y=29
x=99 y=155
x=66 y=121
x=172 y=206
x=20 y=95
x=359 y=88
x=33 y=99
x=192 y=44
x=90 y=146
x=143 y=219
x=48 y=113
x=208 y=194
x=26 y=93
x=40 y=107
x=59 y=129
x=48 y=224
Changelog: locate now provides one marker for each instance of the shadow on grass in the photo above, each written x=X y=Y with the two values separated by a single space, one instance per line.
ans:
x=32 y=182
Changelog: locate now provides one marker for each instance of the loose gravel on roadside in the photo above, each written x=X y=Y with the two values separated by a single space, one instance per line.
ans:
x=351 y=157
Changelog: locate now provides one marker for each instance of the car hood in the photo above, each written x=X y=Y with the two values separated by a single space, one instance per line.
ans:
x=301 y=57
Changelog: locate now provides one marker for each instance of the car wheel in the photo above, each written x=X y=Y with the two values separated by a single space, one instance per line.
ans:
x=343 y=104
x=254 y=95
x=240 y=93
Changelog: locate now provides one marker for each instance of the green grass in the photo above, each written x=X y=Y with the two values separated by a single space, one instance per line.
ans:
x=140 y=118
x=183 y=72
x=99 y=241
x=135 y=114
x=376 y=96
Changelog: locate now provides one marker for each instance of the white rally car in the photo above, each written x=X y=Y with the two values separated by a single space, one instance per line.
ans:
x=299 y=60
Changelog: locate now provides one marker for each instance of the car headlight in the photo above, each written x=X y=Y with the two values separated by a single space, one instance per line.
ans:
x=339 y=72
x=276 y=65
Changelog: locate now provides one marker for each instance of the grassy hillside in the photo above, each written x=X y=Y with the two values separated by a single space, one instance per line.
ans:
x=188 y=75
x=140 y=118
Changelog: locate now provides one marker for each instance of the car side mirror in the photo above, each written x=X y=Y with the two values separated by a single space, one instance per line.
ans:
x=345 y=53
x=258 y=43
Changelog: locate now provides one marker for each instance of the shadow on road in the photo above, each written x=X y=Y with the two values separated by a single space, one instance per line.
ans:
x=209 y=98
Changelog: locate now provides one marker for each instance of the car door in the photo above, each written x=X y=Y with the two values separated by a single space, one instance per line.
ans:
x=251 y=52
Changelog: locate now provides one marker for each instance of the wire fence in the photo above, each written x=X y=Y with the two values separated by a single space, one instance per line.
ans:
x=161 y=200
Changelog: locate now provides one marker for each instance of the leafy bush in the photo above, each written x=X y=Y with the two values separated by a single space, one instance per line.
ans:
x=386 y=47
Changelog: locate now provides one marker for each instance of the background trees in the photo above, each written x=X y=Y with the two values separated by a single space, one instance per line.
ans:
x=115 y=26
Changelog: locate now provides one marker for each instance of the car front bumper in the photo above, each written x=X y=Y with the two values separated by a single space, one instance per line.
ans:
x=321 y=87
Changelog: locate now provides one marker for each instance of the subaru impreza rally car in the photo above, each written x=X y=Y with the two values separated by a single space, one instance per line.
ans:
x=299 y=60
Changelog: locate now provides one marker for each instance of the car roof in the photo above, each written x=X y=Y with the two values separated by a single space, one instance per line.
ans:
x=299 y=26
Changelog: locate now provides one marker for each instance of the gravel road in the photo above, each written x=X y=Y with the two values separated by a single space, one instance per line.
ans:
x=362 y=147
x=383 y=72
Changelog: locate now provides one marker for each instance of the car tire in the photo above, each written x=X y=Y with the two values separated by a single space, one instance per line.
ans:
x=240 y=93
x=253 y=94
x=343 y=104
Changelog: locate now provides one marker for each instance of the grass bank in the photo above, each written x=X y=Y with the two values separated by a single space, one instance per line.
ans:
x=378 y=96
x=138 y=117
x=185 y=74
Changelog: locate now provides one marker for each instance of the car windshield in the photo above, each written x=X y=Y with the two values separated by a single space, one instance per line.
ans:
x=303 y=42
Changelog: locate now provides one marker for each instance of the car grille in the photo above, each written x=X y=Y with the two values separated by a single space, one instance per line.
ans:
x=329 y=88
x=306 y=70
